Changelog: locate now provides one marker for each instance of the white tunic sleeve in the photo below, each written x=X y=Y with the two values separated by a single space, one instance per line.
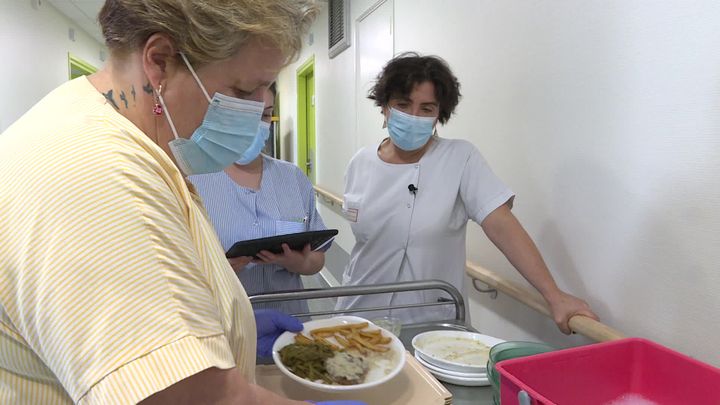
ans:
x=480 y=189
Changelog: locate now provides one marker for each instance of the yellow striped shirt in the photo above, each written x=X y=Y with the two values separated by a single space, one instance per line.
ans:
x=113 y=284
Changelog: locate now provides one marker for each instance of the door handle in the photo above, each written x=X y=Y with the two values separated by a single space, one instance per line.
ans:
x=309 y=164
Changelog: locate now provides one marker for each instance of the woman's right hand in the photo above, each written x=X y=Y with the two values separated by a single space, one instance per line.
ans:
x=238 y=263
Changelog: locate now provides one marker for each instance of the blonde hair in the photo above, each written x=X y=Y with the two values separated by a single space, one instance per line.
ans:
x=207 y=30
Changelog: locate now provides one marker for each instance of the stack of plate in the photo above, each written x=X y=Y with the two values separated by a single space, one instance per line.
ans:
x=455 y=357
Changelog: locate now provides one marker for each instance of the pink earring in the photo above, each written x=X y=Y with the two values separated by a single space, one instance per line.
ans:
x=157 y=108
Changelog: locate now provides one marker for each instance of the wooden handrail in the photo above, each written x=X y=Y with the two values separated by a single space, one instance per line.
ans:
x=581 y=324
x=328 y=197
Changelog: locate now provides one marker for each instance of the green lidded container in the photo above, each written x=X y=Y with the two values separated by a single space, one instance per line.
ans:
x=510 y=350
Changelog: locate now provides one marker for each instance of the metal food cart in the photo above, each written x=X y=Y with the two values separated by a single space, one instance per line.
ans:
x=461 y=394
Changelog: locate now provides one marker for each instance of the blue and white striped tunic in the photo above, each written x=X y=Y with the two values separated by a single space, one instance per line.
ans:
x=285 y=203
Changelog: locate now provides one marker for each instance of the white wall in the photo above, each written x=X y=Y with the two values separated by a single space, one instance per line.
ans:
x=335 y=109
x=35 y=46
x=603 y=116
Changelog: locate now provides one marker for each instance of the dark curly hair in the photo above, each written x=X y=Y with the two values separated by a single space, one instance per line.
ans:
x=403 y=72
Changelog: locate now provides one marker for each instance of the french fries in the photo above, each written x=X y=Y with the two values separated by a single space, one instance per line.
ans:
x=333 y=329
x=302 y=339
x=348 y=336
x=326 y=343
x=342 y=341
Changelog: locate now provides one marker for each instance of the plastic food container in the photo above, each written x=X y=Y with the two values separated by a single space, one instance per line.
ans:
x=506 y=351
x=624 y=371
x=512 y=350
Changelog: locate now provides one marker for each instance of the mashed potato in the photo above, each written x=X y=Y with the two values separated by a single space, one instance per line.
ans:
x=346 y=369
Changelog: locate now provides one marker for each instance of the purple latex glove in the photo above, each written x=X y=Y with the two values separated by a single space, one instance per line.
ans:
x=271 y=324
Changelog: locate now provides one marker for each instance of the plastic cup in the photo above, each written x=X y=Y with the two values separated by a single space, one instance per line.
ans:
x=389 y=323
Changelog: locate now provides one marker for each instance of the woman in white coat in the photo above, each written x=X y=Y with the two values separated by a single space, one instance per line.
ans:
x=410 y=197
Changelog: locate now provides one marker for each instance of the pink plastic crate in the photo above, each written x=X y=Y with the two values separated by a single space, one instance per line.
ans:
x=610 y=373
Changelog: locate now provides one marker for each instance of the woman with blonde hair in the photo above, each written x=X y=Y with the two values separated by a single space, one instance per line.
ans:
x=115 y=288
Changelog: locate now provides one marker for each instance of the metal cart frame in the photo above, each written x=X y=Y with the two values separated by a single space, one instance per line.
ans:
x=456 y=298
x=461 y=395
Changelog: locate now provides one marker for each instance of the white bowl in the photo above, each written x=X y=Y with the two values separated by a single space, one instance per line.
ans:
x=378 y=373
x=435 y=369
x=465 y=352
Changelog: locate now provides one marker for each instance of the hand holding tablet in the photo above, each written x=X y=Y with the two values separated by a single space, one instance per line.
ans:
x=296 y=241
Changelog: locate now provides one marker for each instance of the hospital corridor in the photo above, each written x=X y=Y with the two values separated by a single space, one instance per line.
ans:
x=360 y=202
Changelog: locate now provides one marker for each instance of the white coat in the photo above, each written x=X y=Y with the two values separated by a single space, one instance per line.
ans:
x=403 y=236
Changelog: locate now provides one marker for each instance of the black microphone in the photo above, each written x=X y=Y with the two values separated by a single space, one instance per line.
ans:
x=412 y=189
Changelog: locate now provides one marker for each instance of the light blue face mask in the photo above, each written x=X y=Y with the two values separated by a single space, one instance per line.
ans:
x=230 y=126
x=258 y=144
x=409 y=132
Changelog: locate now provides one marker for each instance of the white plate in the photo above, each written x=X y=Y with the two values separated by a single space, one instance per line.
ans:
x=437 y=369
x=467 y=382
x=465 y=352
x=379 y=372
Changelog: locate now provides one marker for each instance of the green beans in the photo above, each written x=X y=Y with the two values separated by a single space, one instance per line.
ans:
x=307 y=360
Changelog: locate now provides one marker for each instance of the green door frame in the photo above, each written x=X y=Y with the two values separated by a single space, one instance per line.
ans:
x=276 y=126
x=78 y=67
x=306 y=118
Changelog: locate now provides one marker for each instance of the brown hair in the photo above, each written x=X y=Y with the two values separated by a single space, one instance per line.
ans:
x=402 y=73
x=207 y=30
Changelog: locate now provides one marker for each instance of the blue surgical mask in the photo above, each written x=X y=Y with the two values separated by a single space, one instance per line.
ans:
x=409 y=132
x=227 y=131
x=258 y=144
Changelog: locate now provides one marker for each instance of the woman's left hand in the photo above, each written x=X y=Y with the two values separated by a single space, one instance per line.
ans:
x=301 y=262
x=270 y=324
x=564 y=306
x=238 y=263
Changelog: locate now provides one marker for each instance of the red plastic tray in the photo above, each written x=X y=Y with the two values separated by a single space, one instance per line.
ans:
x=606 y=373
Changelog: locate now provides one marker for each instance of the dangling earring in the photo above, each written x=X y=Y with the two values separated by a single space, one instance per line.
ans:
x=157 y=108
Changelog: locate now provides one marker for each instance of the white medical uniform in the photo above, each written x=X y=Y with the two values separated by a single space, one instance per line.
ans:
x=401 y=236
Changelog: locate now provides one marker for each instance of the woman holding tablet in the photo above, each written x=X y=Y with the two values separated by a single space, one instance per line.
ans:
x=257 y=197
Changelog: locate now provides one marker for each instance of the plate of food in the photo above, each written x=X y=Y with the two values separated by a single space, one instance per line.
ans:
x=343 y=353
x=464 y=352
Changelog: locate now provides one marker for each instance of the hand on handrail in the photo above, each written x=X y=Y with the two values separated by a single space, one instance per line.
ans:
x=593 y=329
x=564 y=306
x=584 y=325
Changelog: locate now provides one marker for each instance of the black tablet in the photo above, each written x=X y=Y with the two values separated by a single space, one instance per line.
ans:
x=296 y=241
